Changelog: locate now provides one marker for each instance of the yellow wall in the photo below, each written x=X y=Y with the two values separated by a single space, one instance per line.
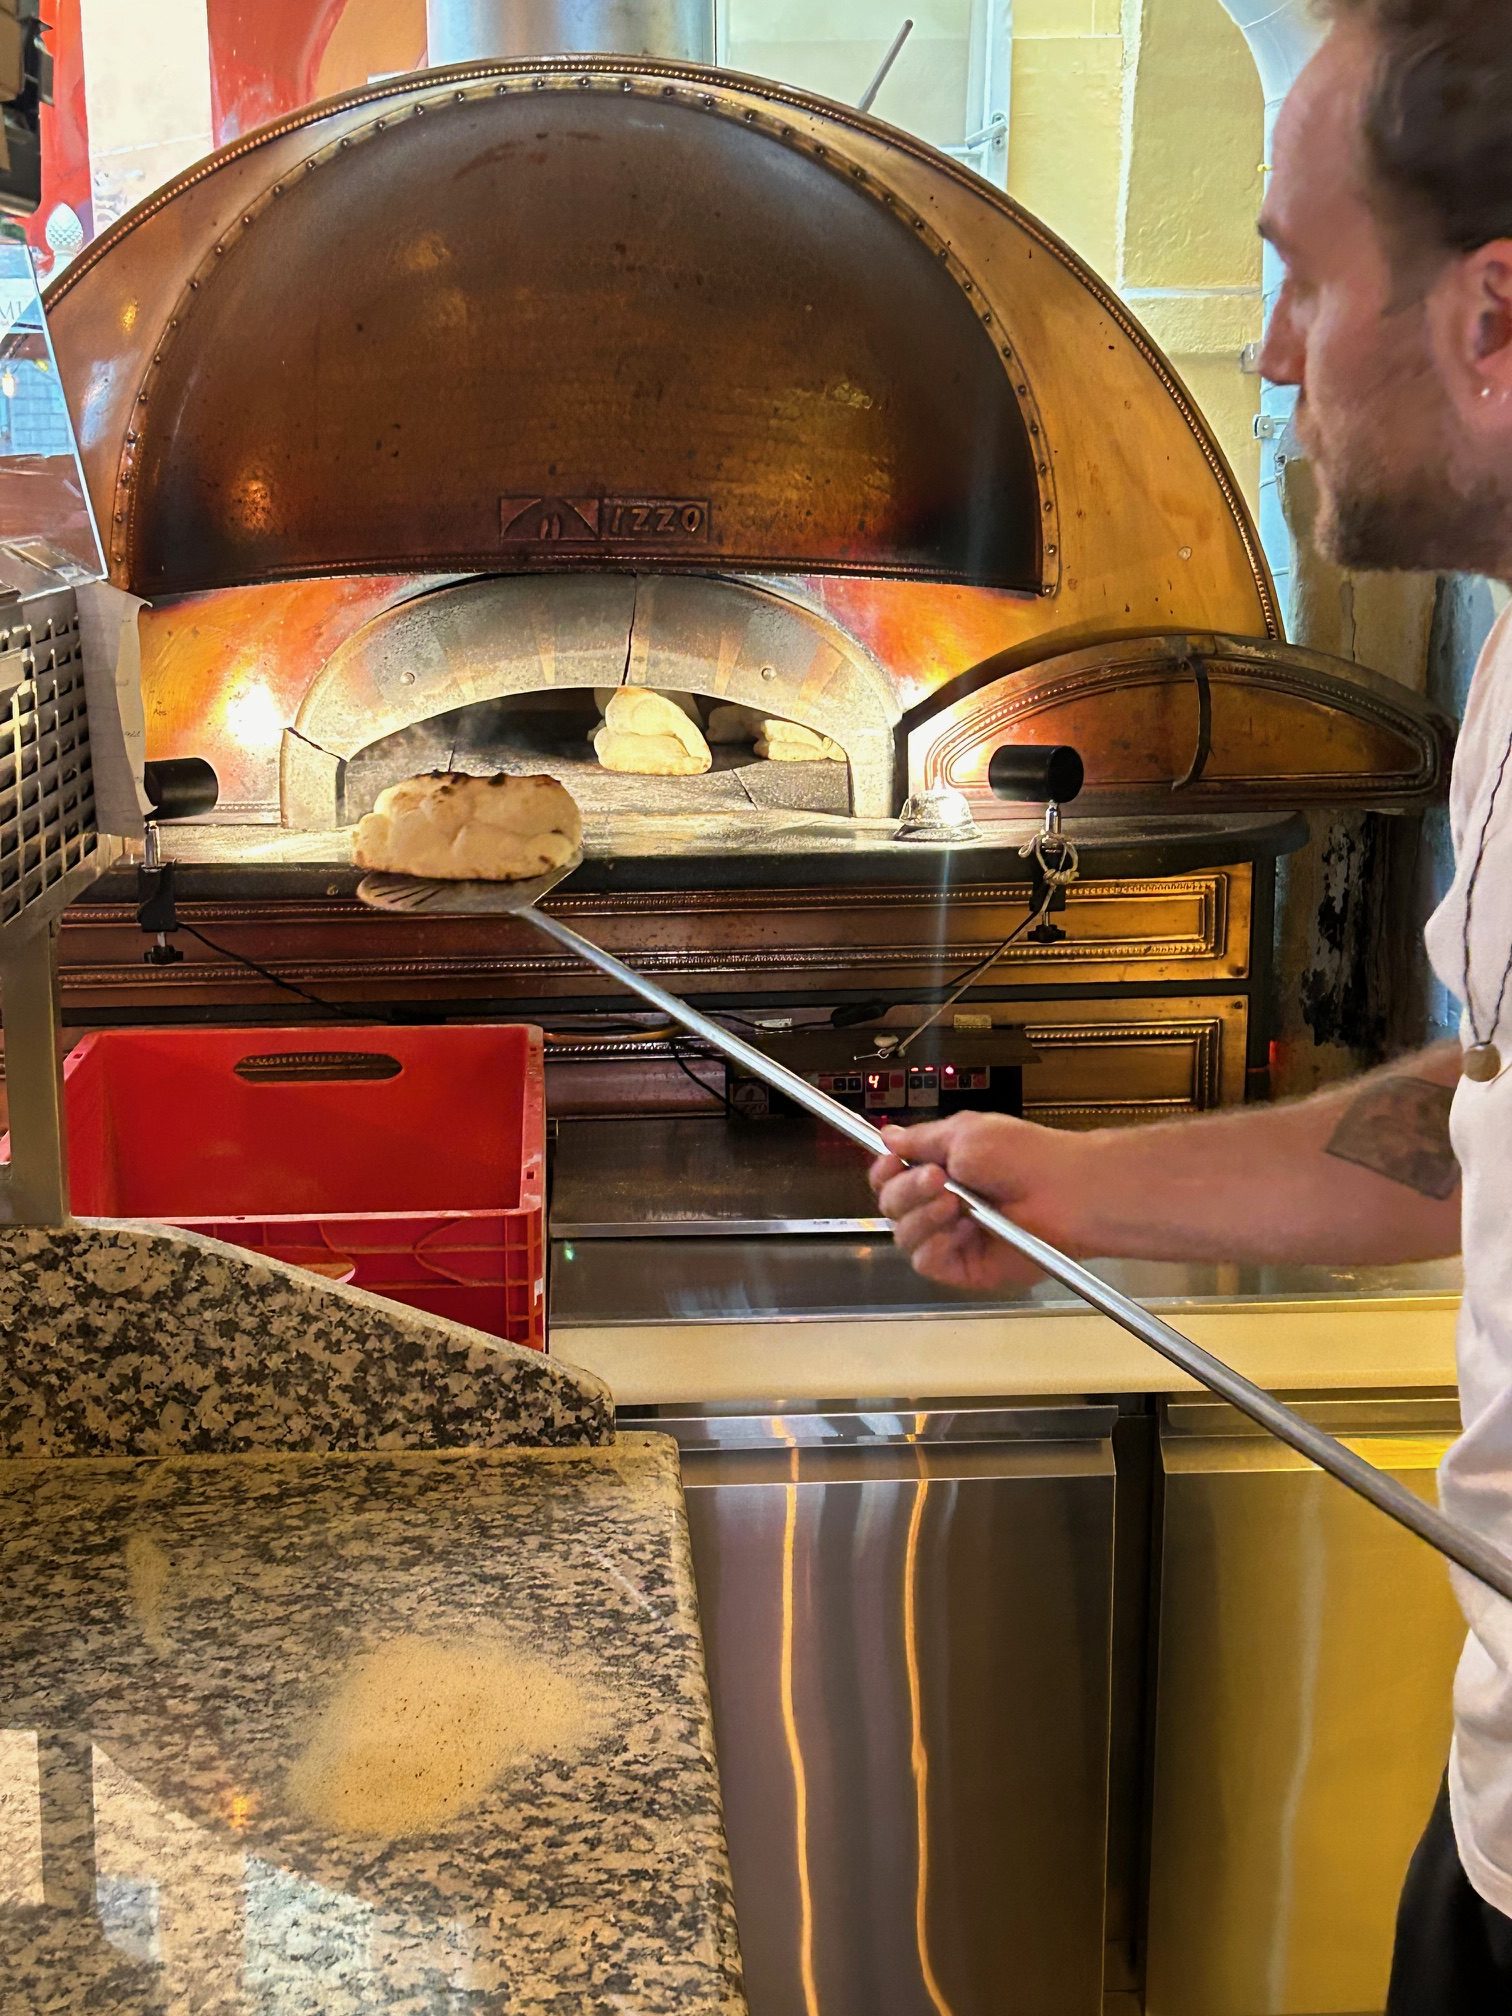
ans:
x=1065 y=152
x=1194 y=168
x=1137 y=134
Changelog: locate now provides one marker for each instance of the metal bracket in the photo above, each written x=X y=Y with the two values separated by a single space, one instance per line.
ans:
x=1054 y=864
x=34 y=1186
x=994 y=134
x=157 y=901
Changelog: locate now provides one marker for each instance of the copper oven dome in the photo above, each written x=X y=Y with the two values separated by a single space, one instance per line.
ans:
x=588 y=319
x=611 y=313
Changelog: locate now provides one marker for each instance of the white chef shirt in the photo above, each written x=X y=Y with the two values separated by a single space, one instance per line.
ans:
x=1476 y=1479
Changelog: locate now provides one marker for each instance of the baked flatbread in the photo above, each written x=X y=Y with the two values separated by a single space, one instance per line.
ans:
x=683 y=702
x=786 y=742
x=452 y=827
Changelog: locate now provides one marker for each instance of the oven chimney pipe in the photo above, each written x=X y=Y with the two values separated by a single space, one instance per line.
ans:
x=461 y=31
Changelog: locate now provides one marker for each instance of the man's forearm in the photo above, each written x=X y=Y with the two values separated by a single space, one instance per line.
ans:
x=1359 y=1175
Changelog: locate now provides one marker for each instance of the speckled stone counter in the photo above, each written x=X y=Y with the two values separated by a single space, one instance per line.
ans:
x=381 y=1733
x=132 y=1340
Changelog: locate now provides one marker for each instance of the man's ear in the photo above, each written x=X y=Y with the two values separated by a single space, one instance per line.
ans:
x=1482 y=323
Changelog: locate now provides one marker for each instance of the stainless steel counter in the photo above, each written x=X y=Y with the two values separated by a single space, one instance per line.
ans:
x=779 y=1279
x=686 y=1178
x=733 y=1320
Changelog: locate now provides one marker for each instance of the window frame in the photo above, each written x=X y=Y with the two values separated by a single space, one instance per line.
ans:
x=983 y=146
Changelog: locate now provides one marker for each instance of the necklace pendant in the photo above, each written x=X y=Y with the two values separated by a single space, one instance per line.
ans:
x=1481 y=1063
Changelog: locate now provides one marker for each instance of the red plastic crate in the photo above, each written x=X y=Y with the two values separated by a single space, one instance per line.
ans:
x=416 y=1155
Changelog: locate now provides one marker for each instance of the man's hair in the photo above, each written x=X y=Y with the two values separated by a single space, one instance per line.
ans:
x=1438 y=119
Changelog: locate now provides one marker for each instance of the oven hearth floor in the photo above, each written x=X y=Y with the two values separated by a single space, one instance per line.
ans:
x=739 y=785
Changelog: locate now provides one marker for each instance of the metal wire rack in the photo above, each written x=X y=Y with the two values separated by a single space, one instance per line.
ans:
x=49 y=851
x=47 y=822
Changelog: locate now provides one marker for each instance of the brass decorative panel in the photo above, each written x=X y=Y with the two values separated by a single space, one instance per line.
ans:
x=772 y=942
x=1215 y=722
x=1106 y=1062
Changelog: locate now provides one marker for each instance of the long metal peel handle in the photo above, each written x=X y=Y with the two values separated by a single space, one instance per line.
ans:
x=1488 y=1564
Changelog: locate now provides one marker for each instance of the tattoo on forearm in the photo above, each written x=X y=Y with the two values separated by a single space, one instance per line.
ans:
x=1399 y=1127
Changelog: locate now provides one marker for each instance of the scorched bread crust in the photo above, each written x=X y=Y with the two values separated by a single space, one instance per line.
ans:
x=451 y=827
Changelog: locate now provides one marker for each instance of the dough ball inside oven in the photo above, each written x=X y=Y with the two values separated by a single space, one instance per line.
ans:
x=778 y=740
x=647 y=755
x=645 y=734
x=787 y=742
x=451 y=827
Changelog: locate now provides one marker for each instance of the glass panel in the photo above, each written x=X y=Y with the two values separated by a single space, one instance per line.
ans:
x=46 y=520
x=207 y=71
x=775 y=1278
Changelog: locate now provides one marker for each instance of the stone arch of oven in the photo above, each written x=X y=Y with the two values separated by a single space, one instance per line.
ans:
x=489 y=638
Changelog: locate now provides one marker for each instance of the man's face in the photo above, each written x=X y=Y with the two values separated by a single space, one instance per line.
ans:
x=1367 y=329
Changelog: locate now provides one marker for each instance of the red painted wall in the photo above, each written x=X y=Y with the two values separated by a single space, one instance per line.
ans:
x=269 y=57
x=65 y=132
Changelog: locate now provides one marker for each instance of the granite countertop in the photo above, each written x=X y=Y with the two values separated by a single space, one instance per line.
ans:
x=396 y=1732
x=143 y=1340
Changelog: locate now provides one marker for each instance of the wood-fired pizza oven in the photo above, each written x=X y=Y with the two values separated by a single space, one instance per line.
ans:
x=420 y=414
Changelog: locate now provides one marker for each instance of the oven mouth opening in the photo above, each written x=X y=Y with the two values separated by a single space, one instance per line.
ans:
x=550 y=733
x=507 y=674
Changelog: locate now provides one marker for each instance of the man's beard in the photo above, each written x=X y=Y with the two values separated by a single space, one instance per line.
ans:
x=1424 y=510
x=1437 y=527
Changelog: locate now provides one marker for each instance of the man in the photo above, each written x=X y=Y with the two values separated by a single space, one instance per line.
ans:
x=1391 y=205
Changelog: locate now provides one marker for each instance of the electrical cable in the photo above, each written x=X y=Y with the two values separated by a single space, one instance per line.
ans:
x=765 y=1028
x=637 y=1032
x=1057 y=861
x=599 y=1035
x=357 y=1012
x=854 y=1016
x=675 y=1050
x=592 y=1030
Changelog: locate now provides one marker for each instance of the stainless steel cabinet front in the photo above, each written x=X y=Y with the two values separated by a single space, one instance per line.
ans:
x=908 y=1647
